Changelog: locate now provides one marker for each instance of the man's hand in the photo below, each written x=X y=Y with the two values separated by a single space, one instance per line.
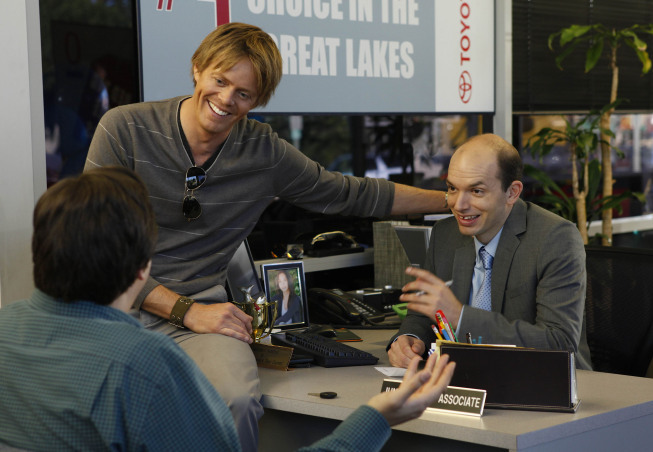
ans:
x=417 y=392
x=428 y=294
x=404 y=350
x=219 y=318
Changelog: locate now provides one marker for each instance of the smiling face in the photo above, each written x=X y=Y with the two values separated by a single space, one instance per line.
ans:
x=476 y=196
x=282 y=282
x=220 y=100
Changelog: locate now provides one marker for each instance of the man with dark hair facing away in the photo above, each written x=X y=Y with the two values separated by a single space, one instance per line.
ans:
x=79 y=373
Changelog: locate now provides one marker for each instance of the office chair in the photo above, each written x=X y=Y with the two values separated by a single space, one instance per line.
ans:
x=619 y=309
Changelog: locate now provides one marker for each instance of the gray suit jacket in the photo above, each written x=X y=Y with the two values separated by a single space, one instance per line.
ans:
x=538 y=283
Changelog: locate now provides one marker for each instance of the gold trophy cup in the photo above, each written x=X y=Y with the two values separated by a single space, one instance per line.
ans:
x=263 y=313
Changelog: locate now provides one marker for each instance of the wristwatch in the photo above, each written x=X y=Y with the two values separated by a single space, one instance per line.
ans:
x=179 y=311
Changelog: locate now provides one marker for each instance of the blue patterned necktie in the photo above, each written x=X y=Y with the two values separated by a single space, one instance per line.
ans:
x=484 y=297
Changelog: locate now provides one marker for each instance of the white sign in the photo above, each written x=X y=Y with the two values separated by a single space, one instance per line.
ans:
x=339 y=56
x=453 y=399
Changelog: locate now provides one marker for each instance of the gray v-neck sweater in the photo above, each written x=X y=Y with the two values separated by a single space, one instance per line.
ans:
x=253 y=168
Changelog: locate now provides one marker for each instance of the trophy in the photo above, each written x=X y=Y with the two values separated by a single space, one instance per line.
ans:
x=263 y=313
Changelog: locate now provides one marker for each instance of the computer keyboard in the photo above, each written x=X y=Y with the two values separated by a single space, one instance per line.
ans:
x=325 y=352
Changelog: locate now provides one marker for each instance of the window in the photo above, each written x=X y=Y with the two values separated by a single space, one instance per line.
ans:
x=90 y=64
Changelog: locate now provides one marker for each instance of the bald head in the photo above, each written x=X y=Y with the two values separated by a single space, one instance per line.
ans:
x=483 y=185
x=505 y=157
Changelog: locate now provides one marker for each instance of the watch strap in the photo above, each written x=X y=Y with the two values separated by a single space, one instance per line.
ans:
x=179 y=311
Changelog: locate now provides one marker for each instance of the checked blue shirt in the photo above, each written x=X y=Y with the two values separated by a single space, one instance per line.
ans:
x=80 y=376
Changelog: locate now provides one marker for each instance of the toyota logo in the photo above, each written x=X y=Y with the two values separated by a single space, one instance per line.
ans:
x=465 y=87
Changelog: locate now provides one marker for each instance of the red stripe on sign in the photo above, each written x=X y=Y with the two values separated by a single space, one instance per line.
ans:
x=159 y=6
x=222 y=12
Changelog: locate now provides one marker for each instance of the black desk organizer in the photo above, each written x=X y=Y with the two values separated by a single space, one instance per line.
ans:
x=516 y=378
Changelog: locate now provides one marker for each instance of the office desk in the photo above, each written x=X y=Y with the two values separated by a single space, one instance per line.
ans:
x=616 y=413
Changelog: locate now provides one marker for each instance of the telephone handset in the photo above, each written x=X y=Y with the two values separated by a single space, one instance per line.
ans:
x=337 y=307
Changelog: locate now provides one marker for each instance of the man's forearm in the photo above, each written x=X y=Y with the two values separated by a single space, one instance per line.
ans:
x=160 y=301
x=409 y=200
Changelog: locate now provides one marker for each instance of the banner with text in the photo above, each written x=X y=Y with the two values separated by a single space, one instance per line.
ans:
x=339 y=56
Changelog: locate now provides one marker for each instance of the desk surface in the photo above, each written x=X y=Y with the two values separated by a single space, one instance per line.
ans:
x=608 y=401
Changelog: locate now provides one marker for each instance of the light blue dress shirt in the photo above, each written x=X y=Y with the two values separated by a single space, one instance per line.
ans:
x=479 y=270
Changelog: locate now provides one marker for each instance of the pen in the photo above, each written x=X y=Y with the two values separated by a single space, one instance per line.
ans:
x=440 y=323
x=421 y=292
x=444 y=331
x=437 y=333
x=447 y=325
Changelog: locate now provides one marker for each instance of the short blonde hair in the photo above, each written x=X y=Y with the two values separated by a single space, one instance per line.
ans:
x=229 y=43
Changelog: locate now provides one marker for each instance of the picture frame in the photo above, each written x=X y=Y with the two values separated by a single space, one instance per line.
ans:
x=285 y=281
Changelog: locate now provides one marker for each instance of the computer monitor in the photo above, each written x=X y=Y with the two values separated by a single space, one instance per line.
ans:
x=241 y=273
x=415 y=240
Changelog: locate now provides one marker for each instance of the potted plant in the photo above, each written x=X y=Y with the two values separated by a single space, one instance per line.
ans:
x=599 y=38
x=583 y=137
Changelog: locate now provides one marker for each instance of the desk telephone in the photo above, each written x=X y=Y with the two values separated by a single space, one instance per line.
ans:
x=340 y=308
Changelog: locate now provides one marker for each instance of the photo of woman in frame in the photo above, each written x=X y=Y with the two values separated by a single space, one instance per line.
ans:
x=287 y=296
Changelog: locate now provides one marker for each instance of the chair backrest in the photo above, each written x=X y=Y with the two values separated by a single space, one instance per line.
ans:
x=619 y=309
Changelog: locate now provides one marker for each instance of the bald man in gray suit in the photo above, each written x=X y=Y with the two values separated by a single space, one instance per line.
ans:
x=536 y=277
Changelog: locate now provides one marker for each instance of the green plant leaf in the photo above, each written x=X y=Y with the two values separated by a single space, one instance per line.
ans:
x=564 y=54
x=543 y=141
x=585 y=143
x=641 y=52
x=646 y=28
x=621 y=154
x=641 y=197
x=636 y=42
x=614 y=201
x=593 y=54
x=611 y=106
x=645 y=60
x=555 y=199
x=551 y=38
x=594 y=181
x=572 y=33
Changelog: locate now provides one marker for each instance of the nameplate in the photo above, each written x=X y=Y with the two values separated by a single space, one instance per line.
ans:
x=454 y=399
x=271 y=356
x=460 y=400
